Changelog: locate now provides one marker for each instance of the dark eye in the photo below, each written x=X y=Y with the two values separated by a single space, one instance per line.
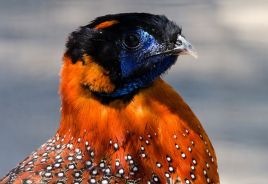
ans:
x=131 y=41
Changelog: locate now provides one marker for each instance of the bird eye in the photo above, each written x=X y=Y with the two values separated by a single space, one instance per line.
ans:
x=131 y=41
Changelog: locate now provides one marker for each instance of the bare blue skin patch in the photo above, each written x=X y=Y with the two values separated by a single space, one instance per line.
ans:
x=134 y=59
x=140 y=66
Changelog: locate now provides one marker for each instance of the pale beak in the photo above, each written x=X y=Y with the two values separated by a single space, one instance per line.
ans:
x=183 y=47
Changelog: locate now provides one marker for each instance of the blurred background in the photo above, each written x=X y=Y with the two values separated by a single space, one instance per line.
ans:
x=227 y=87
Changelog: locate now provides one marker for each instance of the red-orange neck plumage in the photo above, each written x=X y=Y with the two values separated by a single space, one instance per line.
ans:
x=153 y=138
x=155 y=126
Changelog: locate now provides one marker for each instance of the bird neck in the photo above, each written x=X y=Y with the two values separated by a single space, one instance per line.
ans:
x=156 y=119
x=85 y=117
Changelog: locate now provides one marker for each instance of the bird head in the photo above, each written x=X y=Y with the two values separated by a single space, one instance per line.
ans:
x=117 y=55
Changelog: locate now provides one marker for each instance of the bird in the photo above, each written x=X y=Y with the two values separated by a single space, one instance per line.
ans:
x=120 y=121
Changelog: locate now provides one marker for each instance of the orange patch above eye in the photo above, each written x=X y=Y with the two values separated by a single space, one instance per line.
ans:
x=106 y=24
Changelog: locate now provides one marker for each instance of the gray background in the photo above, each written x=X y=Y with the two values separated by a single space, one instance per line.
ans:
x=226 y=87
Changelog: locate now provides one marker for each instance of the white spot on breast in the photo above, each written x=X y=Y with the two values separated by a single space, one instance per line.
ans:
x=92 y=180
x=158 y=165
x=189 y=149
x=167 y=175
x=79 y=157
x=77 y=150
x=88 y=163
x=57 y=157
x=168 y=158
x=143 y=155
x=107 y=171
x=58 y=146
x=60 y=174
x=28 y=182
x=135 y=169
x=57 y=165
x=45 y=154
x=43 y=160
x=116 y=147
x=95 y=172
x=102 y=165
x=71 y=166
x=49 y=168
x=192 y=176
x=129 y=157
x=48 y=174
x=183 y=155
x=171 y=169
x=121 y=171
x=104 y=181
x=194 y=162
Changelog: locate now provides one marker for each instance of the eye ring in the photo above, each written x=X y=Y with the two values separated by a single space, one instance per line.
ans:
x=131 y=41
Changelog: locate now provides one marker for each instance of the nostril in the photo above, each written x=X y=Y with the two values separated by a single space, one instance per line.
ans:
x=178 y=42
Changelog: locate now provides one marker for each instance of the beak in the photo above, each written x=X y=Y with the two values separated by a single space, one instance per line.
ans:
x=183 y=47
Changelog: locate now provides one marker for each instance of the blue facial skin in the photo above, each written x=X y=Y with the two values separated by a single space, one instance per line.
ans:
x=141 y=58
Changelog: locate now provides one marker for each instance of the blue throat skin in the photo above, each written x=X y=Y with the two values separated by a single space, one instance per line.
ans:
x=143 y=58
x=132 y=85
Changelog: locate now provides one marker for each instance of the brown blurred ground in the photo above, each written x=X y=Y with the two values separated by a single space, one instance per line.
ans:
x=227 y=86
